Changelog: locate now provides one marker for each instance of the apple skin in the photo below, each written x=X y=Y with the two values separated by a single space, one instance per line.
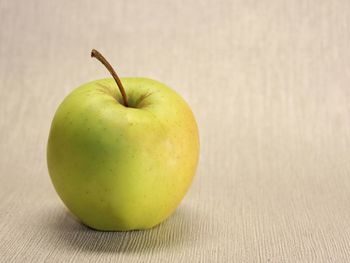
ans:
x=120 y=168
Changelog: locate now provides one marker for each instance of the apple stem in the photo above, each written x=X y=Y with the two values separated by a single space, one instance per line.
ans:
x=98 y=56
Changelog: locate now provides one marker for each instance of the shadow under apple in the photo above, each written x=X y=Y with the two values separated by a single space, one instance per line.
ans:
x=178 y=230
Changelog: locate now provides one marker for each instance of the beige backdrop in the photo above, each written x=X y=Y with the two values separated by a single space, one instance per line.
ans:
x=269 y=83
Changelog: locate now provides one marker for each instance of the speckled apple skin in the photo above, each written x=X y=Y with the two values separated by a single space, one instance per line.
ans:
x=122 y=168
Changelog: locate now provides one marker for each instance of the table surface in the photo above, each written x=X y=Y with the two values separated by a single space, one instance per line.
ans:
x=269 y=83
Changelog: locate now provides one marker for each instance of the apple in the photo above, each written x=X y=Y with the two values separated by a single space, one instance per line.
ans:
x=122 y=159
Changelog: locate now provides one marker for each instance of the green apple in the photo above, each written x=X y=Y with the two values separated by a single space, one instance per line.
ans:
x=122 y=159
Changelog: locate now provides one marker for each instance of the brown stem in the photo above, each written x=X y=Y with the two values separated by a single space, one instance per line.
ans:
x=98 y=56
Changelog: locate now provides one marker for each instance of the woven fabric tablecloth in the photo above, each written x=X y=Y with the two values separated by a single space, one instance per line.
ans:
x=269 y=83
